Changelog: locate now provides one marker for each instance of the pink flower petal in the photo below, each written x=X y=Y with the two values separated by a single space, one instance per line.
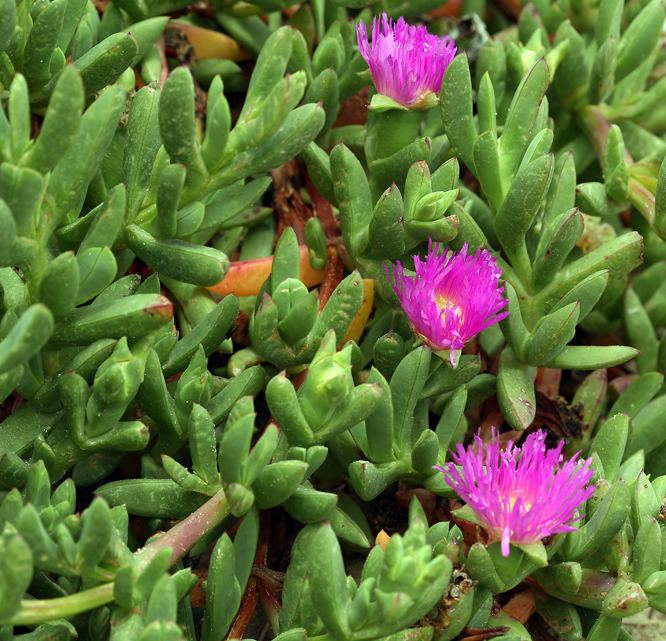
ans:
x=520 y=494
x=406 y=62
x=451 y=297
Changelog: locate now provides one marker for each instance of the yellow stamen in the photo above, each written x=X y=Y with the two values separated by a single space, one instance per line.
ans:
x=512 y=501
x=446 y=303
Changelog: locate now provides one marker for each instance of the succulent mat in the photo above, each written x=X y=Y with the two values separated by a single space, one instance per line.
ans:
x=332 y=321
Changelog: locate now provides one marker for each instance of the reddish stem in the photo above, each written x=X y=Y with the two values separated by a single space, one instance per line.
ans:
x=323 y=209
x=251 y=597
x=333 y=273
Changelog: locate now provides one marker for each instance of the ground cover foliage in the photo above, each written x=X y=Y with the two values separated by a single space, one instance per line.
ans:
x=224 y=408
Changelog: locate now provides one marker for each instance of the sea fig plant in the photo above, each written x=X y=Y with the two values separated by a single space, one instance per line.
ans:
x=332 y=320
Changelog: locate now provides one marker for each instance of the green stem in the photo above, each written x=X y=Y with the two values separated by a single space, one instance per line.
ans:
x=182 y=536
x=390 y=131
x=197 y=191
x=41 y=610
x=179 y=539
x=522 y=266
x=532 y=312
x=509 y=274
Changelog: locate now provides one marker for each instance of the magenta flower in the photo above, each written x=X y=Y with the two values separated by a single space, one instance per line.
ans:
x=521 y=494
x=407 y=63
x=451 y=298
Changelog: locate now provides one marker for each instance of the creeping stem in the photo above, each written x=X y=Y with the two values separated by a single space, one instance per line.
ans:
x=180 y=538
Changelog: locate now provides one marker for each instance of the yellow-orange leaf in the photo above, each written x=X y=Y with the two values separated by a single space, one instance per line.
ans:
x=358 y=322
x=210 y=44
x=382 y=539
x=522 y=606
x=246 y=277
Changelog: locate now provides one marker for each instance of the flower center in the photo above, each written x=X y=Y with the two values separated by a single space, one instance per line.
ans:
x=513 y=497
x=446 y=303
